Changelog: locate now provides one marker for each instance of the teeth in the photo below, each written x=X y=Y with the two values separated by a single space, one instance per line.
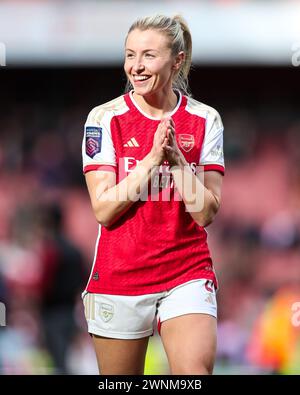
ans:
x=140 y=77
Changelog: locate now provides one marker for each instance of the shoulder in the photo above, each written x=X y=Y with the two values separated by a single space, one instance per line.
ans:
x=113 y=107
x=196 y=107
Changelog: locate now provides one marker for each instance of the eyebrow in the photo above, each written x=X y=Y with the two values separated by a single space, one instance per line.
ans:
x=145 y=50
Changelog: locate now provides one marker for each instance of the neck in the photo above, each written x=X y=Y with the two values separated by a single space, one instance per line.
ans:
x=157 y=104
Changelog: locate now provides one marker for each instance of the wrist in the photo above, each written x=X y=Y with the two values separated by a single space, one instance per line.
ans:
x=179 y=160
x=153 y=159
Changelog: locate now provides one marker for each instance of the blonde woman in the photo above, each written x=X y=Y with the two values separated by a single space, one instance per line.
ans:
x=153 y=163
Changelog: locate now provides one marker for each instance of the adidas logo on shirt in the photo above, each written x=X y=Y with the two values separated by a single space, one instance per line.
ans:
x=132 y=143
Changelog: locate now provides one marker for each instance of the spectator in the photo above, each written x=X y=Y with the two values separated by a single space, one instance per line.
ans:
x=62 y=279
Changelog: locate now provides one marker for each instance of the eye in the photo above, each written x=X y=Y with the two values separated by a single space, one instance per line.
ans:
x=129 y=55
x=149 y=55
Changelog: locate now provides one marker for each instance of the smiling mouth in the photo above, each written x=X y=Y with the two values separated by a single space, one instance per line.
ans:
x=141 y=78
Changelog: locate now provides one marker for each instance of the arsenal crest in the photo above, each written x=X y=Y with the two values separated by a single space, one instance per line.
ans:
x=106 y=312
x=186 y=141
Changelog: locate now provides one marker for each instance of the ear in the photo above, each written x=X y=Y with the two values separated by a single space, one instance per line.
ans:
x=178 y=60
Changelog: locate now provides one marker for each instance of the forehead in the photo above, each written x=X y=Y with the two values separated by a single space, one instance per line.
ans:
x=147 y=39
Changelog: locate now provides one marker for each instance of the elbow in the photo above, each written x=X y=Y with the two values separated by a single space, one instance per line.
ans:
x=106 y=214
x=106 y=222
x=205 y=218
x=204 y=221
x=103 y=219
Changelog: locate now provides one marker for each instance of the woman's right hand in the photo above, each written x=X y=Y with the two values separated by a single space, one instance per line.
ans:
x=160 y=141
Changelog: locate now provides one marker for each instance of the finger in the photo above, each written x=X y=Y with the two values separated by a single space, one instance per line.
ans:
x=166 y=117
x=165 y=121
x=165 y=132
x=171 y=130
x=168 y=148
x=165 y=143
x=161 y=131
x=169 y=121
x=169 y=124
x=171 y=137
x=158 y=130
x=162 y=127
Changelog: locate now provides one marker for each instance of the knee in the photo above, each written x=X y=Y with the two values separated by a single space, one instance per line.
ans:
x=192 y=368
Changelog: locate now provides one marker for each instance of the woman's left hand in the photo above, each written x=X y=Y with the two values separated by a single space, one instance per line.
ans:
x=173 y=153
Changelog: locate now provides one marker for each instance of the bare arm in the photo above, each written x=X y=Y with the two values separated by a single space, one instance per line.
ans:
x=200 y=193
x=110 y=200
x=202 y=199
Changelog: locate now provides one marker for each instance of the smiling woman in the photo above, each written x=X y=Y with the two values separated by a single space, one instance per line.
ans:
x=150 y=67
x=152 y=261
x=164 y=58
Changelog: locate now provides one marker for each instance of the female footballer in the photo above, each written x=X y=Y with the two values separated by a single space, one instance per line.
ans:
x=153 y=163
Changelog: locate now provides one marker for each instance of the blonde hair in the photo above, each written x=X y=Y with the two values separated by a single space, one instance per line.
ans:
x=180 y=40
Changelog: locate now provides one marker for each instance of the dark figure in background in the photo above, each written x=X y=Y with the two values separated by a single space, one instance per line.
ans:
x=63 y=277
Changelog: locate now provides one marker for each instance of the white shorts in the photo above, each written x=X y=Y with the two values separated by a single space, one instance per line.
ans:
x=133 y=317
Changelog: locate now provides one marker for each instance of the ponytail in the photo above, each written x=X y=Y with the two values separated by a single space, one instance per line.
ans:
x=181 y=78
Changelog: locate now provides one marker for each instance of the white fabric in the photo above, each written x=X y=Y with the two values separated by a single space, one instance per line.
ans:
x=133 y=317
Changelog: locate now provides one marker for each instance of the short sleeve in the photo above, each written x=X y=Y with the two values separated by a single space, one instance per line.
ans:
x=98 y=151
x=212 y=155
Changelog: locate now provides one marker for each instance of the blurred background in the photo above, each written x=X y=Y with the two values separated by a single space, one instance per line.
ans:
x=60 y=59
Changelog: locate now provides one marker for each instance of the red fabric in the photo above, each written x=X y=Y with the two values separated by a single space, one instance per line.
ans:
x=99 y=167
x=158 y=326
x=155 y=245
x=218 y=168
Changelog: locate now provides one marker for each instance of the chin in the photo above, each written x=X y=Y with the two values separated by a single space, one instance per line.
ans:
x=142 y=91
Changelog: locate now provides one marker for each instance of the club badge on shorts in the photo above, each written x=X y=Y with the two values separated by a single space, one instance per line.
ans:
x=186 y=142
x=106 y=312
x=93 y=140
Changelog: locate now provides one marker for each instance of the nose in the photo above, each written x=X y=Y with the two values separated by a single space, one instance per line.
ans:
x=138 y=65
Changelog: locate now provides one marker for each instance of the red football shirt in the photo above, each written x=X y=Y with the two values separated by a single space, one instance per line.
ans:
x=156 y=245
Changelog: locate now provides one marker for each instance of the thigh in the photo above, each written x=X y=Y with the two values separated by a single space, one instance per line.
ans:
x=187 y=318
x=190 y=343
x=120 y=327
x=120 y=356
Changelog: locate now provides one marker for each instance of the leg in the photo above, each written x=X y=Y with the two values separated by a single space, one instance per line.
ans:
x=190 y=343
x=59 y=327
x=120 y=356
